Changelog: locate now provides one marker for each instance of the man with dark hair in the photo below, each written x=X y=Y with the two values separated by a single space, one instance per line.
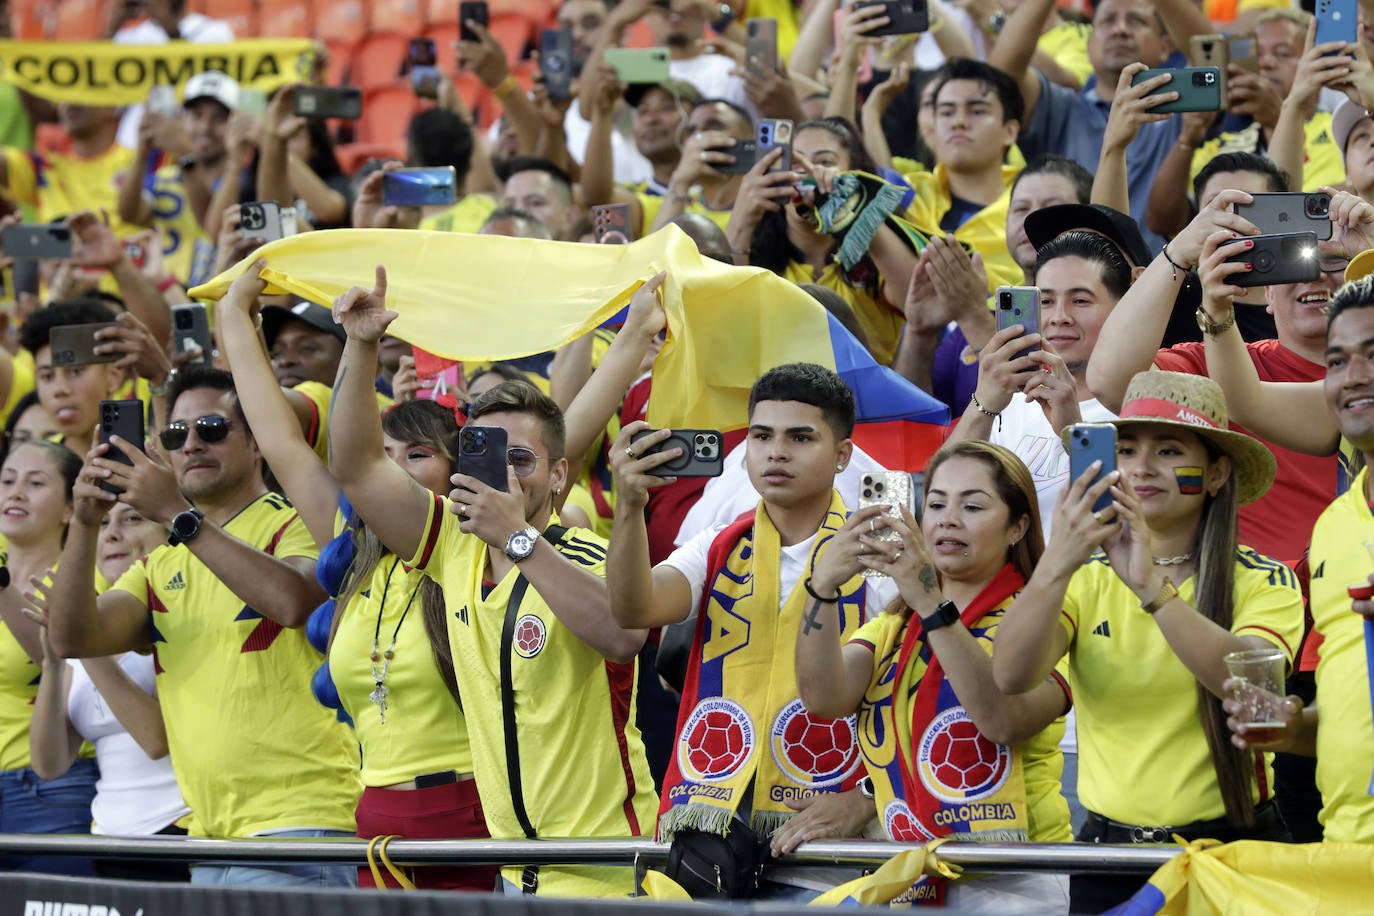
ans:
x=71 y=394
x=516 y=223
x=563 y=691
x=1046 y=181
x=696 y=186
x=223 y=608
x=746 y=585
x=540 y=187
x=438 y=137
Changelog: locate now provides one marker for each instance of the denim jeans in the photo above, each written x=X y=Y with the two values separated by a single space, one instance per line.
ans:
x=285 y=874
x=62 y=805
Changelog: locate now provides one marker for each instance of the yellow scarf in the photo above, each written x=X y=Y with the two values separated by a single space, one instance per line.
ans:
x=741 y=690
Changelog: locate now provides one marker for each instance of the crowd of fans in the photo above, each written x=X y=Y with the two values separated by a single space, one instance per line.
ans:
x=292 y=613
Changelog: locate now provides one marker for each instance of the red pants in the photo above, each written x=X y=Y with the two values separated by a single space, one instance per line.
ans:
x=448 y=812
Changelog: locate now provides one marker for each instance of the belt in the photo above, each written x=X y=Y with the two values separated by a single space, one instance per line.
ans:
x=1110 y=831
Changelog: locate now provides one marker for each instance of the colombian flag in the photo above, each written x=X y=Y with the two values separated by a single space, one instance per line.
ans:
x=476 y=297
x=1189 y=480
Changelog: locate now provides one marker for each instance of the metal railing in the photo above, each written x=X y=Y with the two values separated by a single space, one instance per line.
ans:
x=973 y=857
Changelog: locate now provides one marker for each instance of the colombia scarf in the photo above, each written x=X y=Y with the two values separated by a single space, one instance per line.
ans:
x=934 y=775
x=741 y=691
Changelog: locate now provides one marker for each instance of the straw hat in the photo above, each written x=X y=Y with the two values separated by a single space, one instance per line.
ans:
x=1196 y=403
x=1360 y=266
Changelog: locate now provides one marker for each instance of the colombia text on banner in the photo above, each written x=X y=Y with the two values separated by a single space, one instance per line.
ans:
x=479 y=297
x=104 y=73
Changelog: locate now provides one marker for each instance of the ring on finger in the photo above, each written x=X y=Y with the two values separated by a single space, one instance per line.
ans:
x=1100 y=520
x=462 y=508
x=629 y=451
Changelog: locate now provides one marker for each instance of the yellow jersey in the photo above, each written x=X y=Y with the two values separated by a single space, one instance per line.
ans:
x=985 y=231
x=1345 y=733
x=19 y=676
x=1142 y=750
x=59 y=184
x=252 y=749
x=172 y=216
x=1067 y=43
x=320 y=396
x=569 y=705
x=650 y=204
x=467 y=215
x=881 y=323
x=23 y=379
x=1323 y=166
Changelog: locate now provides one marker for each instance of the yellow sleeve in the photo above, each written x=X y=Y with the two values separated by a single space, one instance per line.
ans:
x=294 y=540
x=317 y=432
x=1067 y=43
x=135 y=581
x=22 y=377
x=1268 y=603
x=431 y=553
x=23 y=176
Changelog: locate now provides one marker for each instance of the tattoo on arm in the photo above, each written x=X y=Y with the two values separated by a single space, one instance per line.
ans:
x=929 y=580
x=812 y=619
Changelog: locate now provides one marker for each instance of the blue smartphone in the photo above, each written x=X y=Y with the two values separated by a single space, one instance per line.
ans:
x=1089 y=442
x=1337 y=20
x=1019 y=305
x=420 y=187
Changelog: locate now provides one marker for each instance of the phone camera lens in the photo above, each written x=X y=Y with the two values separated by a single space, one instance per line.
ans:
x=1264 y=261
x=1204 y=79
x=1004 y=300
x=868 y=493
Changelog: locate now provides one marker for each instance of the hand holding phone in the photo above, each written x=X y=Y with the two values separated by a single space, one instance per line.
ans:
x=343 y=102
x=422 y=62
x=482 y=454
x=37 y=241
x=611 y=224
x=702 y=453
x=1019 y=305
x=471 y=11
x=1198 y=88
x=430 y=187
x=1089 y=442
x=1286 y=258
x=125 y=420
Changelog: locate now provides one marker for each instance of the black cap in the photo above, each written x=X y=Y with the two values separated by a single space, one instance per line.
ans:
x=681 y=90
x=1044 y=226
x=317 y=316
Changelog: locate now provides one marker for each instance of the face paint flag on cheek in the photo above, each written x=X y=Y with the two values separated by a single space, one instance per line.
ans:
x=1189 y=480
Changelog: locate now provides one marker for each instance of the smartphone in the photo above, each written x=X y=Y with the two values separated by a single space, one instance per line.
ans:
x=775 y=133
x=556 y=62
x=1337 y=20
x=268 y=220
x=162 y=100
x=702 y=454
x=611 y=224
x=1293 y=211
x=343 y=102
x=639 y=65
x=1290 y=257
x=1241 y=50
x=907 y=17
x=1019 y=305
x=1198 y=88
x=74 y=345
x=431 y=187
x=761 y=45
x=34 y=241
x=422 y=60
x=252 y=101
x=135 y=252
x=125 y=420
x=482 y=454
x=473 y=11
x=1211 y=51
x=191 y=329
x=745 y=153
x=1089 y=442
x=892 y=491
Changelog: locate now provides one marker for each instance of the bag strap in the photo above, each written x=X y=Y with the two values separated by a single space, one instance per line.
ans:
x=376 y=848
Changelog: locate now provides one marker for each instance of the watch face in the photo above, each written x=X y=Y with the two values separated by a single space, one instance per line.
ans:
x=521 y=544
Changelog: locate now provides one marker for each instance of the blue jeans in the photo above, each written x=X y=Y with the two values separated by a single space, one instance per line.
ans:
x=285 y=874
x=62 y=805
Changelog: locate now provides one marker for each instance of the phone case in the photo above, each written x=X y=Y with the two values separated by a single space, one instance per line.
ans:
x=1211 y=51
x=36 y=241
x=702 y=453
x=191 y=329
x=125 y=420
x=639 y=65
x=1288 y=258
x=471 y=11
x=431 y=187
x=761 y=44
x=775 y=133
x=907 y=17
x=1198 y=88
x=891 y=490
x=1089 y=442
x=612 y=219
x=1294 y=211
x=1241 y=50
x=343 y=102
x=482 y=454
x=422 y=63
x=745 y=153
x=1019 y=305
x=74 y=345
x=556 y=62
x=1337 y=20
x=262 y=219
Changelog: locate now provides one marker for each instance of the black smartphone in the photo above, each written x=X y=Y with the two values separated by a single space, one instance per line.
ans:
x=74 y=344
x=1292 y=211
x=34 y=241
x=471 y=11
x=702 y=454
x=125 y=420
x=343 y=102
x=1019 y=305
x=761 y=45
x=482 y=454
x=1291 y=257
x=556 y=62
x=422 y=60
x=774 y=133
x=1198 y=88
x=745 y=153
x=1089 y=442
x=906 y=17
x=611 y=224
x=191 y=330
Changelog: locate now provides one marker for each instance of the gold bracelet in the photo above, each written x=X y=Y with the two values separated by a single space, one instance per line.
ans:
x=506 y=87
x=1167 y=593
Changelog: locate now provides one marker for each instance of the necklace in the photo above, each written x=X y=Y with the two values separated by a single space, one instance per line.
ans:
x=1171 y=561
x=380 y=691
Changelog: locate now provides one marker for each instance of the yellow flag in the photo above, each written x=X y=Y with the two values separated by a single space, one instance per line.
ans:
x=109 y=74
x=893 y=879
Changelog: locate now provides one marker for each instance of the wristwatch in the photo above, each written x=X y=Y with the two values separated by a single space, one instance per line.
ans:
x=521 y=544
x=727 y=16
x=944 y=614
x=187 y=163
x=185 y=526
x=1211 y=329
x=866 y=787
x=1167 y=592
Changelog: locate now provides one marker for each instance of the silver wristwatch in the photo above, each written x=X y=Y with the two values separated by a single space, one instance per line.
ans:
x=521 y=544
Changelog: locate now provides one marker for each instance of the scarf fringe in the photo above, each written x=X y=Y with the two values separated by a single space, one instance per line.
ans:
x=766 y=823
x=705 y=818
x=1007 y=835
x=859 y=236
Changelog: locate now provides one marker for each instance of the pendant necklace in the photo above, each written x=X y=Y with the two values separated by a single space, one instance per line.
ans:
x=380 y=691
x=1171 y=561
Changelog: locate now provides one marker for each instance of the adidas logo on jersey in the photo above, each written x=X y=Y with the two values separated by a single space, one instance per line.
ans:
x=1102 y=630
x=462 y=614
x=1320 y=570
x=177 y=581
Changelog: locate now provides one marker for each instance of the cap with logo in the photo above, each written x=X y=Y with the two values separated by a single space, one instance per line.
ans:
x=212 y=84
x=274 y=317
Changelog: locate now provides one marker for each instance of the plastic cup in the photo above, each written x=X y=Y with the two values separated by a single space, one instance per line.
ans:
x=1260 y=689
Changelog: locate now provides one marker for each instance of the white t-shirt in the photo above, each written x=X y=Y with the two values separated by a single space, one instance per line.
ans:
x=711 y=74
x=1025 y=430
x=630 y=165
x=135 y=795
x=196 y=28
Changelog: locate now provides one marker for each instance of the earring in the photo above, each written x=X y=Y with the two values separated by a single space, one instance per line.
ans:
x=839 y=467
x=557 y=491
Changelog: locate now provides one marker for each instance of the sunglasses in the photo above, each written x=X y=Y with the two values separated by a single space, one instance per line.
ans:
x=210 y=429
x=523 y=461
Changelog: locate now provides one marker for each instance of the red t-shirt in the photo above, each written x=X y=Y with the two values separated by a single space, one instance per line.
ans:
x=1279 y=523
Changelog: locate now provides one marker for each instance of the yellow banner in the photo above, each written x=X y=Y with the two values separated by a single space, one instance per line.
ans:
x=104 y=73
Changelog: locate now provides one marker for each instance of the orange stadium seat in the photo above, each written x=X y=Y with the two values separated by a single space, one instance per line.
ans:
x=80 y=20
x=29 y=19
x=513 y=32
x=404 y=16
x=340 y=69
x=441 y=12
x=476 y=97
x=353 y=156
x=241 y=15
x=387 y=111
x=341 y=20
x=378 y=60
x=286 y=20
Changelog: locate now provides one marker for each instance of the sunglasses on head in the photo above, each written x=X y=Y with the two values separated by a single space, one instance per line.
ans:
x=523 y=461
x=210 y=429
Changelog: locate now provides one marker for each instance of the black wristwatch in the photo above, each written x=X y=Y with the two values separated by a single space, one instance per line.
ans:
x=944 y=614
x=185 y=526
